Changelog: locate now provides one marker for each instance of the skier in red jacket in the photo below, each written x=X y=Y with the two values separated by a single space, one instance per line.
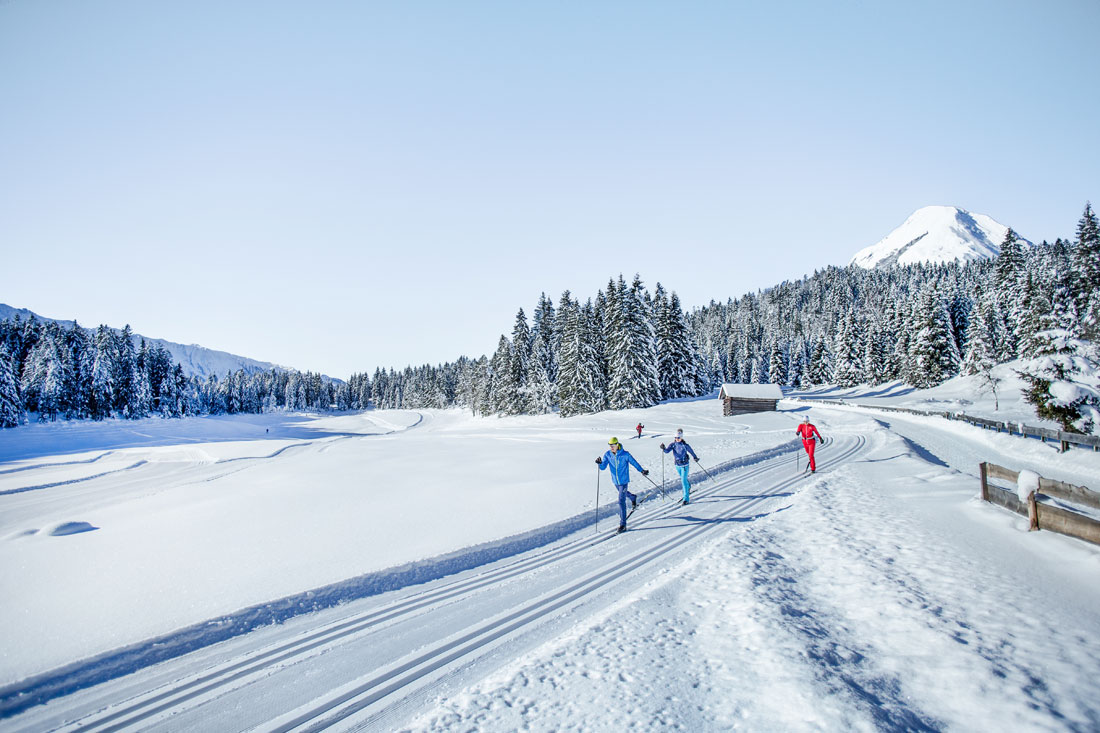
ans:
x=807 y=430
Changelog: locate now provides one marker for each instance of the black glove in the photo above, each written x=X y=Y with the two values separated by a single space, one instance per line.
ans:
x=645 y=472
x=662 y=446
x=696 y=460
x=599 y=461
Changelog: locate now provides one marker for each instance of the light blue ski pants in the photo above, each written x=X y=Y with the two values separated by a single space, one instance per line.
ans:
x=624 y=494
x=683 y=471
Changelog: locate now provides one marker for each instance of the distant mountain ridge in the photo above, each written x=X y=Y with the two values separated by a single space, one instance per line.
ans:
x=937 y=234
x=197 y=361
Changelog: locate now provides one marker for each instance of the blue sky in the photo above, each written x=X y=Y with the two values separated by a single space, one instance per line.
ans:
x=337 y=186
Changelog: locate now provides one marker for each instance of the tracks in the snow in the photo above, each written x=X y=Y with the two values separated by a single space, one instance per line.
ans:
x=378 y=685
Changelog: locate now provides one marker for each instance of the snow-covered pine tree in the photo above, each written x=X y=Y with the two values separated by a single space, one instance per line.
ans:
x=676 y=359
x=1010 y=263
x=543 y=369
x=695 y=382
x=519 y=367
x=1064 y=382
x=591 y=380
x=143 y=393
x=43 y=380
x=873 y=365
x=980 y=350
x=124 y=378
x=615 y=339
x=934 y=357
x=1030 y=306
x=101 y=397
x=567 y=338
x=796 y=363
x=11 y=403
x=632 y=356
x=1086 y=261
x=78 y=380
x=505 y=391
x=482 y=379
x=667 y=364
x=1009 y=273
x=959 y=308
x=777 y=364
x=847 y=353
x=580 y=374
x=732 y=373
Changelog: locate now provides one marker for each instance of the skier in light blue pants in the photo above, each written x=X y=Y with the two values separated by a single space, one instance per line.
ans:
x=618 y=460
x=680 y=450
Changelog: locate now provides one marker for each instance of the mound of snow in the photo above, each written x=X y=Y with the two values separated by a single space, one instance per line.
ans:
x=66 y=528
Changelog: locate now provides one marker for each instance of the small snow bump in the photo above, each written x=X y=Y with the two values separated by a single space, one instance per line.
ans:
x=67 y=528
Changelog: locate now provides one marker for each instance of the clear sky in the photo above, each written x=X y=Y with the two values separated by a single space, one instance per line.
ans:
x=336 y=186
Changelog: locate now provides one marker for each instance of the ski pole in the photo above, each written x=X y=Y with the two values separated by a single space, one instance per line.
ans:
x=663 y=475
x=597 y=499
x=700 y=465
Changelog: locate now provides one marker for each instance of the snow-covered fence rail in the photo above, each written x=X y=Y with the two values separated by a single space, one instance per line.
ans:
x=1064 y=439
x=1024 y=499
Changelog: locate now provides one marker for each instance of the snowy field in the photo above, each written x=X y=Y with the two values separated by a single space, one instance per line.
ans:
x=876 y=594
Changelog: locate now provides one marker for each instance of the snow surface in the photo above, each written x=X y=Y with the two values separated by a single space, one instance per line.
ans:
x=878 y=593
x=936 y=234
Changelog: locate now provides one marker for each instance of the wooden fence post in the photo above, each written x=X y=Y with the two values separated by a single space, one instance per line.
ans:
x=985 y=485
x=1032 y=512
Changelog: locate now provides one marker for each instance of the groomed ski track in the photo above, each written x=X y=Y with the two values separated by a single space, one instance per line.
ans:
x=376 y=662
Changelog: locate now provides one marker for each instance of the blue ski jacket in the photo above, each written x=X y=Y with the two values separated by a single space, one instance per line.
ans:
x=619 y=464
x=680 y=452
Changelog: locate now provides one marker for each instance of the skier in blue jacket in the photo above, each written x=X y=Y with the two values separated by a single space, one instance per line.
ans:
x=618 y=460
x=680 y=450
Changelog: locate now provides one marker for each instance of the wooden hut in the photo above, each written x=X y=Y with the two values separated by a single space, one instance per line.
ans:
x=737 y=399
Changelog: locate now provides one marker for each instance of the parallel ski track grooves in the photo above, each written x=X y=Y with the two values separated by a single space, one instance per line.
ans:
x=145 y=708
x=362 y=696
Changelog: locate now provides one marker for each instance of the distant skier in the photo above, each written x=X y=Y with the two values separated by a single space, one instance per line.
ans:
x=618 y=460
x=680 y=450
x=639 y=429
x=807 y=430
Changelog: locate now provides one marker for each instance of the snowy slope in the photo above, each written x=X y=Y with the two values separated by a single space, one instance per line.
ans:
x=196 y=360
x=936 y=234
x=438 y=571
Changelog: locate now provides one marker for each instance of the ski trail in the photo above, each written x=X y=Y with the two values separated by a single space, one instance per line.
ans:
x=70 y=482
x=181 y=694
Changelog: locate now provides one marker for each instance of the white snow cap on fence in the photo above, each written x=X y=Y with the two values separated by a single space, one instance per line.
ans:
x=1026 y=482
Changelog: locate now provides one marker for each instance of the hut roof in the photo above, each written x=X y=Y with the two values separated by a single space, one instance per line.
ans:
x=751 y=391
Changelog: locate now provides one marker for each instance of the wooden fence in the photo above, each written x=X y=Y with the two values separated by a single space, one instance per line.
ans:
x=1065 y=440
x=1043 y=515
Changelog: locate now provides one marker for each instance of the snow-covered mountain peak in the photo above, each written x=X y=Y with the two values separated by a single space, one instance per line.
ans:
x=936 y=234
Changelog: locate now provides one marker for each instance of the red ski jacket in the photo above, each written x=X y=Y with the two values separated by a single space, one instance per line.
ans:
x=807 y=431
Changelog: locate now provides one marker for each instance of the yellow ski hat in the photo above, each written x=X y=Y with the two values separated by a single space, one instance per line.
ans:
x=613 y=441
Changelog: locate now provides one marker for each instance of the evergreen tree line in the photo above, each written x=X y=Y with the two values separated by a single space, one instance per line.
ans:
x=624 y=348
x=75 y=373
x=921 y=324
